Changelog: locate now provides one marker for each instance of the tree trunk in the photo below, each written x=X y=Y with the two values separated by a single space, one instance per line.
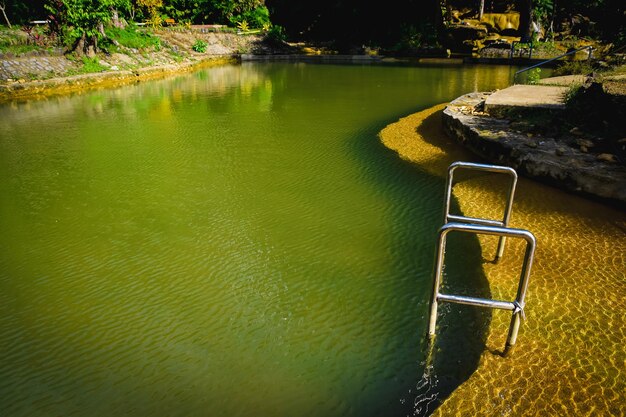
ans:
x=93 y=50
x=481 y=10
x=551 y=29
x=3 y=6
x=445 y=5
x=437 y=15
x=80 y=46
x=116 y=21
x=525 y=20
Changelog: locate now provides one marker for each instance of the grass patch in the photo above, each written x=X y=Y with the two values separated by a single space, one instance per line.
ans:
x=90 y=65
x=175 y=55
x=131 y=37
x=573 y=68
x=617 y=70
x=546 y=49
x=19 y=49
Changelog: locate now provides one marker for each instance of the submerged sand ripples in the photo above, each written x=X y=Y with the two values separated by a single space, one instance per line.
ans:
x=570 y=357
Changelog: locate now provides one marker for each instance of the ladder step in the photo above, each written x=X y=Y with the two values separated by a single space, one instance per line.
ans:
x=473 y=301
x=478 y=226
x=474 y=220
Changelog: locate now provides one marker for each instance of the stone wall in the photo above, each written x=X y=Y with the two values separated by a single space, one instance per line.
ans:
x=33 y=66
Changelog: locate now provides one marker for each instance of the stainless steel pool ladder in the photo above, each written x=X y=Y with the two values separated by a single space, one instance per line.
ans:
x=447 y=217
x=464 y=224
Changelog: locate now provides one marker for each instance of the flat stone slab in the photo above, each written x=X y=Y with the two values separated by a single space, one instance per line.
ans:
x=564 y=80
x=542 y=158
x=527 y=97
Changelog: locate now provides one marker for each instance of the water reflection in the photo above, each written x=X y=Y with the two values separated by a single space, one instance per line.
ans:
x=233 y=240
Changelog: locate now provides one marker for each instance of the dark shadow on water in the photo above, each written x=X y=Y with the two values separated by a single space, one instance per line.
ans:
x=417 y=200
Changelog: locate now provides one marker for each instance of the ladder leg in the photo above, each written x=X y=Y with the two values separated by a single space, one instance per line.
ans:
x=513 y=329
x=441 y=250
x=432 y=321
x=500 y=251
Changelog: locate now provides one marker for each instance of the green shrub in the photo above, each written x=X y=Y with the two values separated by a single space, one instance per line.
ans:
x=257 y=18
x=546 y=49
x=243 y=25
x=276 y=34
x=199 y=46
x=572 y=95
x=534 y=75
x=573 y=68
x=415 y=37
x=77 y=22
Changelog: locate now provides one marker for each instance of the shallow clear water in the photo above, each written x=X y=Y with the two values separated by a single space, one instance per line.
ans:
x=569 y=357
x=231 y=242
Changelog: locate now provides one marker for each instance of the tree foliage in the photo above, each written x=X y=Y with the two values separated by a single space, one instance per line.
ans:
x=348 y=22
x=81 y=22
x=354 y=22
x=151 y=8
x=216 y=11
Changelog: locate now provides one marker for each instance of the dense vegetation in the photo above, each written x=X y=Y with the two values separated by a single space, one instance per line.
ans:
x=81 y=25
x=393 y=21
x=396 y=24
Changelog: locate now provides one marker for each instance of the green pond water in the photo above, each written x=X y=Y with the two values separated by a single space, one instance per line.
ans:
x=233 y=242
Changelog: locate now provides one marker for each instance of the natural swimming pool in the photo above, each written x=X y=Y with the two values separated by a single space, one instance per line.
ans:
x=230 y=242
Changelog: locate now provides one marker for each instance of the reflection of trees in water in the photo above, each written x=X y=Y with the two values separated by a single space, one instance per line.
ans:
x=154 y=98
x=170 y=123
x=160 y=98
x=233 y=86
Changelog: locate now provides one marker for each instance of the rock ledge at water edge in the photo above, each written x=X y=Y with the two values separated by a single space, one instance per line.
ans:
x=540 y=158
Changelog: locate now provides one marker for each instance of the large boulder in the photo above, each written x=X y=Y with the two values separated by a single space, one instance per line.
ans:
x=462 y=37
x=500 y=22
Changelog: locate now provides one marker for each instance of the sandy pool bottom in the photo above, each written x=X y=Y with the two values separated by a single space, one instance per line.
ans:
x=570 y=357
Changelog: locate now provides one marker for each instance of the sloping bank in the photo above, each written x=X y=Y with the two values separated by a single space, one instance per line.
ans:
x=63 y=85
x=28 y=76
x=569 y=358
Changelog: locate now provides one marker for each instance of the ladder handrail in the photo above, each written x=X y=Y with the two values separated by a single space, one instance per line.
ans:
x=458 y=223
x=516 y=306
x=447 y=217
x=554 y=59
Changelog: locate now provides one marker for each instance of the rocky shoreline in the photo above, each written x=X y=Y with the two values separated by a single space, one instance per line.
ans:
x=537 y=157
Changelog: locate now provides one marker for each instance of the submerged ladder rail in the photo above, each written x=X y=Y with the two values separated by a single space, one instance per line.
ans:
x=516 y=306
x=479 y=226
